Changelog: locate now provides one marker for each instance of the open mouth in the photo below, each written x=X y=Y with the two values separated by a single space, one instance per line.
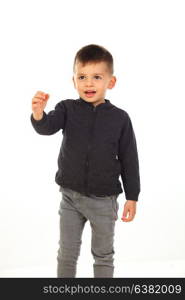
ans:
x=90 y=92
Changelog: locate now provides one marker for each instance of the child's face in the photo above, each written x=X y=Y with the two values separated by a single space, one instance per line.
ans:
x=92 y=80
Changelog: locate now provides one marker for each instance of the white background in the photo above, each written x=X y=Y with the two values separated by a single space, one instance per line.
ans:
x=39 y=39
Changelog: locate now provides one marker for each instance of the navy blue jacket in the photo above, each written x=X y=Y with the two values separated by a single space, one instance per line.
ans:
x=98 y=146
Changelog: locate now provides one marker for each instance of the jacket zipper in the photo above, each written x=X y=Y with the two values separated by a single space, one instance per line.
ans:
x=88 y=150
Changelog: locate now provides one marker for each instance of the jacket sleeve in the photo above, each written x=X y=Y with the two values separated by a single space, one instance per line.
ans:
x=51 y=122
x=128 y=157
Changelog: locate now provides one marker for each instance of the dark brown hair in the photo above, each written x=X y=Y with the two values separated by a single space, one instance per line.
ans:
x=94 y=53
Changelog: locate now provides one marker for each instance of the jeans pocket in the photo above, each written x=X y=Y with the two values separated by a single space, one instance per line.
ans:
x=115 y=206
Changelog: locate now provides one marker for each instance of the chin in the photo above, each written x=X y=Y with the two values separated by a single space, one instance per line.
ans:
x=89 y=99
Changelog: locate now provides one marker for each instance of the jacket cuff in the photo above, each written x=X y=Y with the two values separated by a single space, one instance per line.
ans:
x=132 y=197
x=38 y=122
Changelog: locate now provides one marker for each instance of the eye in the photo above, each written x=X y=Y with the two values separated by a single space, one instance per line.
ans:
x=97 y=77
x=81 y=77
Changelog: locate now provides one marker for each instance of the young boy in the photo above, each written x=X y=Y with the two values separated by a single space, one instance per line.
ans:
x=98 y=146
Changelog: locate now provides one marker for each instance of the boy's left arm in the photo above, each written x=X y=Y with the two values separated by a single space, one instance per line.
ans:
x=128 y=157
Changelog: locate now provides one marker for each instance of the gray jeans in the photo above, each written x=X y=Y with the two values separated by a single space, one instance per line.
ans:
x=102 y=212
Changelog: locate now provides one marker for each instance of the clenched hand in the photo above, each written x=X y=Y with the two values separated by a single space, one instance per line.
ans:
x=129 y=211
x=39 y=102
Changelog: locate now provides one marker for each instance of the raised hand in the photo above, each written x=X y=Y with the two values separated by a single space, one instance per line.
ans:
x=39 y=102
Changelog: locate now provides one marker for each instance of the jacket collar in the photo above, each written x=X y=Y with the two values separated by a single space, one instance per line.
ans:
x=103 y=105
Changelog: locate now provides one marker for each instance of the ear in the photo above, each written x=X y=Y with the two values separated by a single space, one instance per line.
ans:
x=74 y=82
x=112 y=82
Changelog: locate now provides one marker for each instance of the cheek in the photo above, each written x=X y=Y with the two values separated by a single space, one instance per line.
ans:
x=100 y=84
x=103 y=85
x=79 y=84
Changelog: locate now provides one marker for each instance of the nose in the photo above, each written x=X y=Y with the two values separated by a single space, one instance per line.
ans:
x=89 y=82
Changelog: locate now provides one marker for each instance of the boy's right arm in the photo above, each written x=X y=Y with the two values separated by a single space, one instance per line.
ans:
x=46 y=124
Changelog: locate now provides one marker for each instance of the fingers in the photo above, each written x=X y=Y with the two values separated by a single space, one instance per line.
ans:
x=41 y=94
x=128 y=218
x=124 y=216
x=40 y=97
